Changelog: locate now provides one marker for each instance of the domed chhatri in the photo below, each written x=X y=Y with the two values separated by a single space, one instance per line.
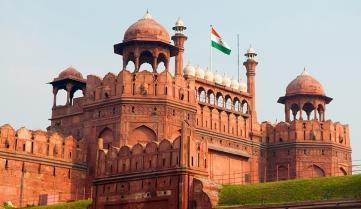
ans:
x=218 y=79
x=189 y=70
x=234 y=84
x=70 y=72
x=199 y=72
x=242 y=86
x=147 y=41
x=226 y=81
x=146 y=29
x=305 y=84
x=209 y=76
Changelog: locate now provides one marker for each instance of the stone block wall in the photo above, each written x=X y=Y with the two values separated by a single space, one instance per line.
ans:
x=38 y=167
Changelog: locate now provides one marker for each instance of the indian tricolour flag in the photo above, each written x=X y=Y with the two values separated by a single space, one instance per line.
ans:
x=218 y=43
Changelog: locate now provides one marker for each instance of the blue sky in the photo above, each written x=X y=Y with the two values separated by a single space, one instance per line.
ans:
x=38 y=39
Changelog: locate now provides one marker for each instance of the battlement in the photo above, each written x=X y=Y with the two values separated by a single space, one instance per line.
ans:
x=51 y=145
x=141 y=84
x=306 y=130
x=138 y=158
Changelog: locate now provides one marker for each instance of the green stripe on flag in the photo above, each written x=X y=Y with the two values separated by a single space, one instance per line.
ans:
x=221 y=48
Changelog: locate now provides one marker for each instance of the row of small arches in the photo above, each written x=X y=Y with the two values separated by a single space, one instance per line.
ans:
x=220 y=101
x=306 y=111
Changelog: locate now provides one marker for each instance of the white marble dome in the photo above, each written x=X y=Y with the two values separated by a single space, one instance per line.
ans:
x=234 y=84
x=209 y=76
x=243 y=86
x=199 y=72
x=218 y=78
x=226 y=81
x=189 y=70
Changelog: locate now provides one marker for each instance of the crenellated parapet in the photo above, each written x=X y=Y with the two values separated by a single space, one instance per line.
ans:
x=142 y=85
x=306 y=131
x=138 y=158
x=51 y=145
x=39 y=167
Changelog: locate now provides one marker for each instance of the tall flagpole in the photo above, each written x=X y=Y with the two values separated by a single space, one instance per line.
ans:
x=238 y=78
x=210 y=50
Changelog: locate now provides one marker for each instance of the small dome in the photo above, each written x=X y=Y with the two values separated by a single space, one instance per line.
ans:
x=189 y=70
x=242 y=86
x=199 y=72
x=234 y=84
x=147 y=29
x=218 y=78
x=305 y=84
x=226 y=81
x=70 y=72
x=209 y=76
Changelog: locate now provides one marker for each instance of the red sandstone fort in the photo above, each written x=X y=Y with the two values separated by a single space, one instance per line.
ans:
x=150 y=139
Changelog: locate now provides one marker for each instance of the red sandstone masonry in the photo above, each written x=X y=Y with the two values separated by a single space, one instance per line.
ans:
x=41 y=168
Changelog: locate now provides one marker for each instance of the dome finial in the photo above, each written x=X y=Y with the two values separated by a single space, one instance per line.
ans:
x=147 y=15
x=305 y=72
x=179 y=26
x=251 y=53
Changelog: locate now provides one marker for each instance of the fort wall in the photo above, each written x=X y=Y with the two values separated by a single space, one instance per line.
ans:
x=39 y=167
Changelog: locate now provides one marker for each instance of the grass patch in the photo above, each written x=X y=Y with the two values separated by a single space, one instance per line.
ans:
x=325 y=188
x=82 y=204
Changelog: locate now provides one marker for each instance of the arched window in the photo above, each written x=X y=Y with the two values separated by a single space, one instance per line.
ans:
x=202 y=95
x=130 y=66
x=61 y=97
x=146 y=58
x=211 y=99
x=228 y=103
x=130 y=63
x=161 y=62
x=245 y=107
x=237 y=105
x=308 y=108
x=295 y=109
x=220 y=100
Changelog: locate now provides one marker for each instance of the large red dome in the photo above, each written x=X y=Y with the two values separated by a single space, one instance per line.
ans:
x=147 y=29
x=305 y=84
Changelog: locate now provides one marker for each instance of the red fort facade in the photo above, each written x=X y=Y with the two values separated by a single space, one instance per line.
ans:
x=150 y=139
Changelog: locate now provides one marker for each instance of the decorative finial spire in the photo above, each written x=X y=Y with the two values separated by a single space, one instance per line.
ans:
x=147 y=15
x=305 y=72
x=179 y=26
x=251 y=53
